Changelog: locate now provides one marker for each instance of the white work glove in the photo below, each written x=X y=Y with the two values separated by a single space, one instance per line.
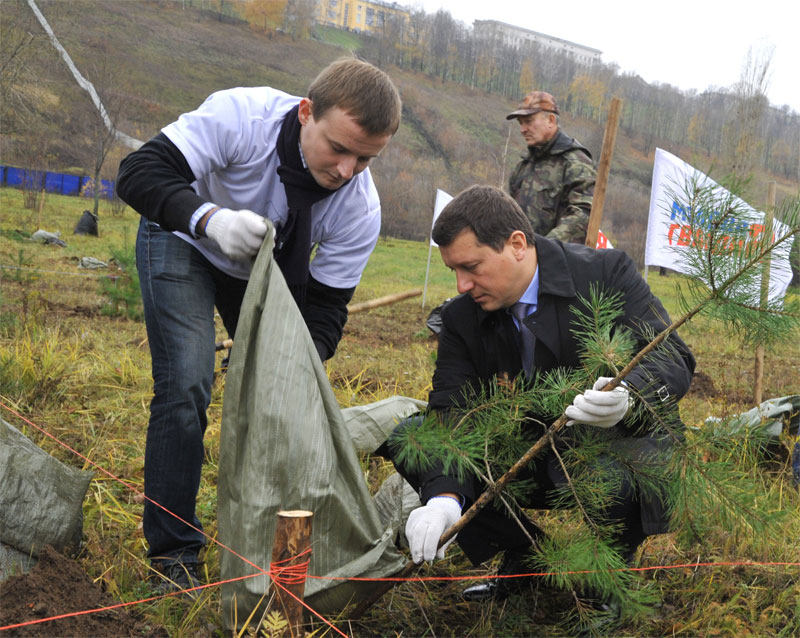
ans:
x=426 y=525
x=601 y=409
x=239 y=233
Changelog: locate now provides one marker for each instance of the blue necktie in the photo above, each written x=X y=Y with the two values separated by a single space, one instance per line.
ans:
x=527 y=338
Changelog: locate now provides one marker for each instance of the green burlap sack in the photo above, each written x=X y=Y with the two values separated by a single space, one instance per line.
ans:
x=370 y=425
x=770 y=417
x=284 y=445
x=41 y=501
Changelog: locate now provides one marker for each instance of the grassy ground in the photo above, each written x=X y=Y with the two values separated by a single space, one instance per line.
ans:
x=70 y=366
x=337 y=37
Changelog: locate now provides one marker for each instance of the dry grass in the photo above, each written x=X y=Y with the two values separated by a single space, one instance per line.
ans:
x=84 y=377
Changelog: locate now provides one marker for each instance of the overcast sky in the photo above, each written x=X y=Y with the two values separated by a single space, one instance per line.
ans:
x=691 y=44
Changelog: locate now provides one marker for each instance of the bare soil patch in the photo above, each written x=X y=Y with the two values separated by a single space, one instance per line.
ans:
x=59 y=585
x=398 y=324
x=702 y=385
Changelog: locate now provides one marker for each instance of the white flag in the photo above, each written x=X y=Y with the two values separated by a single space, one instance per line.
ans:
x=672 y=230
x=442 y=200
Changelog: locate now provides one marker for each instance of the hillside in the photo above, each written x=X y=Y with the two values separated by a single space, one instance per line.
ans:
x=75 y=365
x=156 y=59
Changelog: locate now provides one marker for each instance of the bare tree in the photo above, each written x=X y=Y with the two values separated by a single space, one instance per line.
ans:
x=26 y=130
x=391 y=29
x=744 y=135
x=443 y=34
x=21 y=42
x=299 y=18
x=96 y=130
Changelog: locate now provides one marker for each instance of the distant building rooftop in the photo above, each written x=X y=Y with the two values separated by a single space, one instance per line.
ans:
x=516 y=36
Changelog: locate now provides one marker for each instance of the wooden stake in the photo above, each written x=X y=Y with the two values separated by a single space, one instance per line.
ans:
x=292 y=538
x=603 y=168
x=226 y=344
x=352 y=309
x=382 y=301
x=41 y=205
x=758 y=383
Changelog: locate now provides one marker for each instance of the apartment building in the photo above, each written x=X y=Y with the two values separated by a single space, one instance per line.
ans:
x=361 y=16
x=518 y=37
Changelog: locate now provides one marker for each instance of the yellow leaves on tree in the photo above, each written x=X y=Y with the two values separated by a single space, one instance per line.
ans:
x=484 y=69
x=526 y=79
x=265 y=15
x=589 y=95
x=695 y=129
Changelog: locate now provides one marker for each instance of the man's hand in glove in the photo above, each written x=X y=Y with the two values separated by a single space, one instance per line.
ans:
x=239 y=233
x=426 y=525
x=601 y=409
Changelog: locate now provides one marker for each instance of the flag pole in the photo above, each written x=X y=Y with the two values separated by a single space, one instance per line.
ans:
x=758 y=384
x=440 y=200
x=430 y=249
x=427 y=270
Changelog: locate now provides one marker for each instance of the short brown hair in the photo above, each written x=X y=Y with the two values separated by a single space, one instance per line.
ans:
x=485 y=210
x=362 y=91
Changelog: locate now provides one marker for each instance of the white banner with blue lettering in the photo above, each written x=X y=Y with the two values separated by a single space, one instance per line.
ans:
x=671 y=233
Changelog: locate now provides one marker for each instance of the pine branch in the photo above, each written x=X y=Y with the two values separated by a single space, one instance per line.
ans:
x=716 y=292
x=773 y=311
x=586 y=516
x=751 y=255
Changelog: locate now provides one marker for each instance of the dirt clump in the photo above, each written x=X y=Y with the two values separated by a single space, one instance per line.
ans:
x=703 y=385
x=58 y=585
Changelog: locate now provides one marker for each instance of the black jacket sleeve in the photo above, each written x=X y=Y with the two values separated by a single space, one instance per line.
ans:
x=156 y=181
x=667 y=372
x=325 y=314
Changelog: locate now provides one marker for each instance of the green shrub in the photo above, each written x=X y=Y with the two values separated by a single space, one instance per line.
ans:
x=122 y=292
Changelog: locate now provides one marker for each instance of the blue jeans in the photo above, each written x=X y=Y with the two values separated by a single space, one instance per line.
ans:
x=179 y=291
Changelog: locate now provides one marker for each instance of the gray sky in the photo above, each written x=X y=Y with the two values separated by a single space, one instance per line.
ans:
x=690 y=44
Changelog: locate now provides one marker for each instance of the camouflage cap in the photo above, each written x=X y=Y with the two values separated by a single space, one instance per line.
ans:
x=534 y=102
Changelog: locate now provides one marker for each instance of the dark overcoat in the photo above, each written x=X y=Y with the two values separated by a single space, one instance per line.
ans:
x=476 y=346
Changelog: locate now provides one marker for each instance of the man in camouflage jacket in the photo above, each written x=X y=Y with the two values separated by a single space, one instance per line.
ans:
x=554 y=183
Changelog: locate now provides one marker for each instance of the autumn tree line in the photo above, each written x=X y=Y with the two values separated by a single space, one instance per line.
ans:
x=735 y=123
x=735 y=129
x=456 y=85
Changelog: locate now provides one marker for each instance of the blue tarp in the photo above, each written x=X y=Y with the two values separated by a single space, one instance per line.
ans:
x=53 y=182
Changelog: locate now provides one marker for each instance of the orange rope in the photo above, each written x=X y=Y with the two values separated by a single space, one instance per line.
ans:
x=129 y=486
x=583 y=571
x=292 y=572
x=119 y=605
x=280 y=580
x=283 y=574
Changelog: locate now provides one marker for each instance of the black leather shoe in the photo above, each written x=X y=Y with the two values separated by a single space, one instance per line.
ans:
x=502 y=588
x=482 y=592
x=177 y=577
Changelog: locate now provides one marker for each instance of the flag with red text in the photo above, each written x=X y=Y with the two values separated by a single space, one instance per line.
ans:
x=673 y=228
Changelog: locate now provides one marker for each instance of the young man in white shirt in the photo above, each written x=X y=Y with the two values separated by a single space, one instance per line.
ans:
x=204 y=187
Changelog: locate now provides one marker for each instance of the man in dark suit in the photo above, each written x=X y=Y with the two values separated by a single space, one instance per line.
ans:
x=517 y=304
